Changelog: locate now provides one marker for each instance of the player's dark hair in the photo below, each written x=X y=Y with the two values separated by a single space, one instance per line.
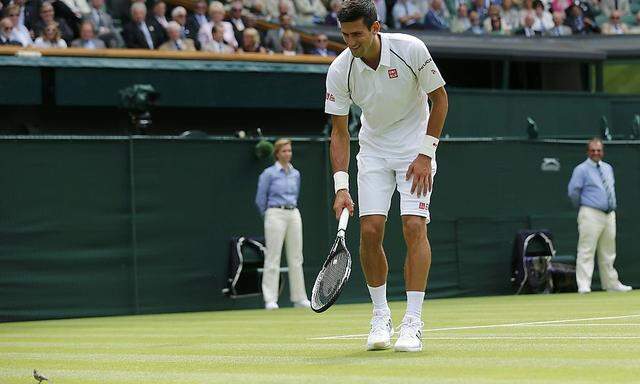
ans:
x=353 y=10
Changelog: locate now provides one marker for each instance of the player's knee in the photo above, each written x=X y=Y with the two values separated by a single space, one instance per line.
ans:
x=414 y=226
x=371 y=233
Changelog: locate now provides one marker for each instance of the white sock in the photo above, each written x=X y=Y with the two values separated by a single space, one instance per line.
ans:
x=414 y=303
x=379 y=297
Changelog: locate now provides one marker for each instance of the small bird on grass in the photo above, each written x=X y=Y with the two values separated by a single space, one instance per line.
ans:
x=39 y=377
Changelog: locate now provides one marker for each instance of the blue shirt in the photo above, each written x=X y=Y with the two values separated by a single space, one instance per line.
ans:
x=277 y=187
x=587 y=187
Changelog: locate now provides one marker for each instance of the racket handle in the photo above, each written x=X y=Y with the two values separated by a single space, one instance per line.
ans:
x=344 y=219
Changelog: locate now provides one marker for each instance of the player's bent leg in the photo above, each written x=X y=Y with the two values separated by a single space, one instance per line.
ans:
x=417 y=265
x=372 y=257
x=418 y=260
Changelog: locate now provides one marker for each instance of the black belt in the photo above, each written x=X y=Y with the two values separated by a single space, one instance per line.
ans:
x=289 y=207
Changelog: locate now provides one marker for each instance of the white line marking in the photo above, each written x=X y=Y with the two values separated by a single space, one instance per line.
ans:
x=533 y=323
x=516 y=338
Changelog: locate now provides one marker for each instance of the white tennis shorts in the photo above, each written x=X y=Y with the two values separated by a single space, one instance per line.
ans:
x=377 y=179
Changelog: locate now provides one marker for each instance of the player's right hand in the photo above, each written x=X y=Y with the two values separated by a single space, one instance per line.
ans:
x=342 y=200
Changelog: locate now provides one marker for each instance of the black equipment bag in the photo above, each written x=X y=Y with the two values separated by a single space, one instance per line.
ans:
x=246 y=258
x=531 y=261
x=564 y=277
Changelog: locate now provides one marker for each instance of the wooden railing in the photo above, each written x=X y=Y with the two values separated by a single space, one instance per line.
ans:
x=172 y=55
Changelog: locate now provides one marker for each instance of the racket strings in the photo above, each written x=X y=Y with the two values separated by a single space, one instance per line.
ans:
x=329 y=284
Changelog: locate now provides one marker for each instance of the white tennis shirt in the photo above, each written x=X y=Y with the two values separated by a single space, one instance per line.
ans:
x=393 y=97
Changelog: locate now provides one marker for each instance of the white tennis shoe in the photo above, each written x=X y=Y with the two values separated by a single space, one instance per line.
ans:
x=381 y=331
x=410 y=339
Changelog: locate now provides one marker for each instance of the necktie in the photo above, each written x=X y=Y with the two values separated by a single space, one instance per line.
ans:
x=616 y=3
x=147 y=35
x=96 y=18
x=178 y=46
x=611 y=198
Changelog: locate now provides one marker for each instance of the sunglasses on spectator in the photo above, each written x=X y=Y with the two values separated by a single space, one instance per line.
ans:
x=236 y=9
x=7 y=29
x=322 y=40
x=14 y=15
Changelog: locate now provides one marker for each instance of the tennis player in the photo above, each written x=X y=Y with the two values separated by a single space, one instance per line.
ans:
x=389 y=76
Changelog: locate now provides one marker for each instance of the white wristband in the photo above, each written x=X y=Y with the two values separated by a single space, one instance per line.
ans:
x=429 y=146
x=341 y=180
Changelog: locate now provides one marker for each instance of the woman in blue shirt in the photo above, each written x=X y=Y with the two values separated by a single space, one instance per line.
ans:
x=277 y=201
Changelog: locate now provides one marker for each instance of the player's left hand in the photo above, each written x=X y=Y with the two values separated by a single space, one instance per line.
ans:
x=420 y=170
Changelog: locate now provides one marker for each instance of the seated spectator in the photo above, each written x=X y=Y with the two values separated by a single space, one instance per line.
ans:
x=103 y=22
x=497 y=28
x=560 y=5
x=51 y=37
x=216 y=16
x=251 y=42
x=158 y=16
x=217 y=44
x=320 y=46
x=275 y=8
x=476 y=27
x=381 y=9
x=138 y=33
x=179 y=15
x=87 y=38
x=406 y=15
x=20 y=32
x=460 y=22
x=481 y=8
x=578 y=23
x=510 y=15
x=6 y=33
x=27 y=13
x=176 y=40
x=274 y=36
x=288 y=43
x=615 y=26
x=47 y=16
x=527 y=9
x=559 y=29
x=78 y=7
x=332 y=17
x=543 y=19
x=527 y=27
x=608 y=6
x=589 y=11
x=237 y=20
x=310 y=11
x=63 y=12
x=494 y=10
x=436 y=18
x=199 y=16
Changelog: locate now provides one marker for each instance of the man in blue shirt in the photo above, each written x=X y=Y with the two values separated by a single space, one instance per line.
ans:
x=277 y=201
x=592 y=189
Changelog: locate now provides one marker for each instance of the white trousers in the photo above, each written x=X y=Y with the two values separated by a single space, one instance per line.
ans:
x=597 y=234
x=283 y=226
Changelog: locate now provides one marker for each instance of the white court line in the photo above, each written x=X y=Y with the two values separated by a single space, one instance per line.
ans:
x=489 y=326
x=517 y=338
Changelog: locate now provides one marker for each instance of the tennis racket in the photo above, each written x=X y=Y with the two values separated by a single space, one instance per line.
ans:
x=335 y=271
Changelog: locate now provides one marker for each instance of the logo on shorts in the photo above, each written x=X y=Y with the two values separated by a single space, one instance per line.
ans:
x=330 y=97
x=393 y=73
x=423 y=206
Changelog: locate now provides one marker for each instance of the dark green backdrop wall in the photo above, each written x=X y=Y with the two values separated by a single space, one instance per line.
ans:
x=117 y=225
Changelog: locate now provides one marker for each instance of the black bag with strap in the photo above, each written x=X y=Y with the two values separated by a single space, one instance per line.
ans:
x=531 y=261
x=246 y=259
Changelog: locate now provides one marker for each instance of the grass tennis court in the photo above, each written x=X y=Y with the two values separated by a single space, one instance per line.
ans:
x=565 y=338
